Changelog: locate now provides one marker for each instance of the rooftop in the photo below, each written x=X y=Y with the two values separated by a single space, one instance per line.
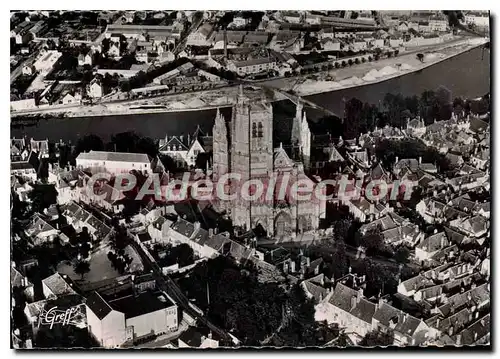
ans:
x=114 y=156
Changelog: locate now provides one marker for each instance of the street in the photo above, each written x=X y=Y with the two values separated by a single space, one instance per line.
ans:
x=166 y=284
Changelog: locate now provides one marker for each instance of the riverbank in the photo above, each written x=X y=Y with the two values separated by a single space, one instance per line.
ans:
x=368 y=73
x=466 y=75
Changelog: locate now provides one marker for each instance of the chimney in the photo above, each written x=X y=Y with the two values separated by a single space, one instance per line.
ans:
x=459 y=339
x=397 y=160
x=353 y=302
x=437 y=322
x=292 y=266
x=360 y=294
x=420 y=160
x=308 y=261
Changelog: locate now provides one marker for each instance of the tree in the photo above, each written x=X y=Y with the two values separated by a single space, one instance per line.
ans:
x=373 y=240
x=42 y=196
x=81 y=267
x=420 y=57
x=377 y=338
x=203 y=160
x=402 y=254
x=89 y=143
x=352 y=116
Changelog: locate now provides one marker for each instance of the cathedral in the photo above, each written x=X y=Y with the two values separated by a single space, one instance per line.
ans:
x=245 y=146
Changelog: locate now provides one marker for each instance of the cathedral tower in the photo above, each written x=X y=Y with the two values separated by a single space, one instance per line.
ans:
x=220 y=148
x=251 y=157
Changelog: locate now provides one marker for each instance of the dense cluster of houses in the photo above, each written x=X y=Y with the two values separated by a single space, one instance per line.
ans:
x=236 y=47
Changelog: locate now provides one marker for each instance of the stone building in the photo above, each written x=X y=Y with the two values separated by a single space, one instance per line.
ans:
x=249 y=153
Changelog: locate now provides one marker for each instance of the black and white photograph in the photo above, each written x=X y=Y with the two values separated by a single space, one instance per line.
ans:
x=235 y=179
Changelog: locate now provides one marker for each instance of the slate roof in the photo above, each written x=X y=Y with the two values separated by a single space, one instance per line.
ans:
x=343 y=297
x=315 y=290
x=480 y=328
x=35 y=308
x=406 y=324
x=183 y=227
x=21 y=165
x=143 y=303
x=201 y=236
x=144 y=237
x=115 y=156
x=216 y=242
x=433 y=243
x=98 y=305
x=38 y=226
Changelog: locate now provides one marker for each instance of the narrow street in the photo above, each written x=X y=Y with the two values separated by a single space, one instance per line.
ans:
x=166 y=284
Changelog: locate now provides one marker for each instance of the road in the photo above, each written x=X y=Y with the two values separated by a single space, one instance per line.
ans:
x=166 y=284
x=276 y=83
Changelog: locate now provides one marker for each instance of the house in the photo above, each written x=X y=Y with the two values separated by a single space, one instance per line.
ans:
x=329 y=44
x=70 y=99
x=86 y=58
x=41 y=232
x=96 y=88
x=407 y=329
x=475 y=334
x=349 y=309
x=185 y=149
x=475 y=226
x=238 y=21
x=201 y=37
x=198 y=337
x=455 y=160
x=114 y=162
x=415 y=127
x=313 y=288
x=429 y=246
x=480 y=159
x=114 y=50
x=395 y=42
x=434 y=211
x=20 y=281
x=28 y=70
x=252 y=66
x=439 y=25
x=57 y=285
x=114 y=322
x=79 y=218
x=32 y=311
x=23 y=169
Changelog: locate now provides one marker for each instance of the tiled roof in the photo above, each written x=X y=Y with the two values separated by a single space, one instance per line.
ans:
x=58 y=285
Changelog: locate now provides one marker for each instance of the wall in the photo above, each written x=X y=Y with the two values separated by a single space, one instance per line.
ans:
x=156 y=322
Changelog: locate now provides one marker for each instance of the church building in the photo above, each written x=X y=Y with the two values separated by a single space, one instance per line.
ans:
x=244 y=146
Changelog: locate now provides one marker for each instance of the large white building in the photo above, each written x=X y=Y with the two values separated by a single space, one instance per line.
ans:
x=477 y=19
x=113 y=162
x=118 y=321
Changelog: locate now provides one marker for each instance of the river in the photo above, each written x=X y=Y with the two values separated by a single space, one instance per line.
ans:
x=466 y=75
